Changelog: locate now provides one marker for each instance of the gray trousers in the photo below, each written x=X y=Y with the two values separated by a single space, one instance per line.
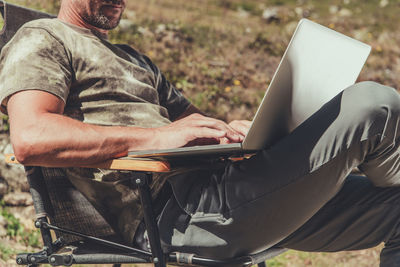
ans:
x=298 y=193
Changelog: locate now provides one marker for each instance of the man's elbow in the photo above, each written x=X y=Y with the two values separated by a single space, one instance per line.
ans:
x=24 y=148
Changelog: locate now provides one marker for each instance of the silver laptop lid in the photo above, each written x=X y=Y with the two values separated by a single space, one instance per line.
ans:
x=317 y=65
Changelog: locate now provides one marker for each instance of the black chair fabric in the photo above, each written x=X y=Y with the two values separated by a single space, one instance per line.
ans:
x=71 y=210
x=19 y=16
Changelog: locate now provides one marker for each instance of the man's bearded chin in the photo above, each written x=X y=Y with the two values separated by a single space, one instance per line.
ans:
x=103 y=22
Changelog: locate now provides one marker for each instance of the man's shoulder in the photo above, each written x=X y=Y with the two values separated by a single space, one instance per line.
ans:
x=51 y=30
x=39 y=33
x=55 y=27
x=48 y=24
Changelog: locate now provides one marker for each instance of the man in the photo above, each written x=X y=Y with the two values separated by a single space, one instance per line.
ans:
x=74 y=99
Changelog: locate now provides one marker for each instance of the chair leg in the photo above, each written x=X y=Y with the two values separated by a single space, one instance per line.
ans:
x=262 y=264
x=150 y=220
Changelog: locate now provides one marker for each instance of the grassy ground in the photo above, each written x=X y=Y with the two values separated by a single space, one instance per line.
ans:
x=222 y=55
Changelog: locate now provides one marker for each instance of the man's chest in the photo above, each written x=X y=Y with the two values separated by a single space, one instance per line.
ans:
x=101 y=74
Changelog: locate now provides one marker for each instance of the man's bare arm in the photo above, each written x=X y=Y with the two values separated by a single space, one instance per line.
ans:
x=41 y=135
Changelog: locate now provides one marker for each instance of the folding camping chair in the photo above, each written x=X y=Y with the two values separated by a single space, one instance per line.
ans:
x=82 y=235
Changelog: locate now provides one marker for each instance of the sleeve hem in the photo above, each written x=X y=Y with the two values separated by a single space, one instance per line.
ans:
x=5 y=96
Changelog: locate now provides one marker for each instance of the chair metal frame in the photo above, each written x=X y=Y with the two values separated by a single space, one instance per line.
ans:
x=142 y=174
x=124 y=254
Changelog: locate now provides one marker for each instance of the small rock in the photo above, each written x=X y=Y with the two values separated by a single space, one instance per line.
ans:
x=290 y=27
x=14 y=174
x=307 y=13
x=270 y=14
x=130 y=14
x=3 y=187
x=3 y=232
x=302 y=13
x=383 y=3
x=25 y=215
x=161 y=28
x=125 y=25
x=145 y=32
x=345 y=13
x=243 y=13
x=3 y=224
x=299 y=11
x=333 y=9
x=361 y=34
x=18 y=199
x=3 y=221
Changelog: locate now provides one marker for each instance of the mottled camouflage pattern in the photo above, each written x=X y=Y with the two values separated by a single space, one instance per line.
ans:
x=101 y=84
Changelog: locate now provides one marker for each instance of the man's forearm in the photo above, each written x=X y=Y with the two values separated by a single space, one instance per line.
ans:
x=59 y=141
x=42 y=136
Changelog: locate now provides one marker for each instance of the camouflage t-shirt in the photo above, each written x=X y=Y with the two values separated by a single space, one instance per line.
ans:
x=101 y=84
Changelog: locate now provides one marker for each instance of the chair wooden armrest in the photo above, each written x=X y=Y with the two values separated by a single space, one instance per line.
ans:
x=126 y=164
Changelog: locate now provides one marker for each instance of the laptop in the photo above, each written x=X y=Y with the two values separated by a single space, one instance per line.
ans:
x=317 y=65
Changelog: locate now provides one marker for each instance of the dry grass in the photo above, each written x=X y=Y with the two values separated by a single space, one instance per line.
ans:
x=222 y=54
x=361 y=258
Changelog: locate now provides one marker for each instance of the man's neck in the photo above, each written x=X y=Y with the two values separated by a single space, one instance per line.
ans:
x=69 y=15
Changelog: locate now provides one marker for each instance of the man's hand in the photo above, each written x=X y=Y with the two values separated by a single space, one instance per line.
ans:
x=197 y=129
x=240 y=126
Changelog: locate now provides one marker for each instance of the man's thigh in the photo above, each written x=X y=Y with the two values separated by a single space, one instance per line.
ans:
x=360 y=216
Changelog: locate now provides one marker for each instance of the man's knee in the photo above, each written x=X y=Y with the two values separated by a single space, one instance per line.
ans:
x=373 y=99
